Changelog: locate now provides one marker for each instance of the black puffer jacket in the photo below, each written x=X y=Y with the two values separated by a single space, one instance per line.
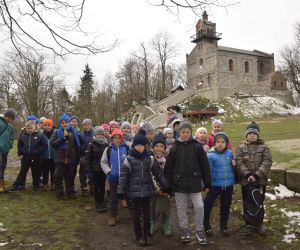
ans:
x=93 y=155
x=187 y=167
x=136 y=178
x=33 y=144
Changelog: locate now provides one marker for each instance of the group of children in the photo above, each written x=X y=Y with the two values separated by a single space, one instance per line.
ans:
x=145 y=168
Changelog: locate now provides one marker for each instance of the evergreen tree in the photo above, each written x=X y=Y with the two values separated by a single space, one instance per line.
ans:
x=85 y=94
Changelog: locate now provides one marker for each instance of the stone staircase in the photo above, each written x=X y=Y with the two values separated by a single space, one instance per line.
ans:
x=157 y=112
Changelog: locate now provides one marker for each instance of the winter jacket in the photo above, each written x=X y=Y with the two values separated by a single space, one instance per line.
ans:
x=112 y=164
x=254 y=158
x=6 y=136
x=93 y=155
x=169 y=145
x=85 y=137
x=32 y=145
x=49 y=151
x=222 y=174
x=187 y=167
x=136 y=178
x=68 y=155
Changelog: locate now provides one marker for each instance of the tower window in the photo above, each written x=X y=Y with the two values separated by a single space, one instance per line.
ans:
x=201 y=61
x=281 y=85
x=261 y=68
x=274 y=84
x=246 y=67
x=231 y=65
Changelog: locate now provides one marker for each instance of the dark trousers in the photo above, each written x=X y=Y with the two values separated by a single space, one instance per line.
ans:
x=99 y=186
x=34 y=164
x=82 y=173
x=3 y=163
x=113 y=198
x=141 y=208
x=64 y=173
x=48 y=166
x=225 y=203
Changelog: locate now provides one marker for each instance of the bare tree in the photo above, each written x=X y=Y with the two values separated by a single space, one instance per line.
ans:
x=15 y=16
x=290 y=60
x=165 y=49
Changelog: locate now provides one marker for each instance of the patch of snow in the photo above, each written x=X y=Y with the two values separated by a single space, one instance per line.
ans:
x=289 y=237
x=221 y=111
x=33 y=244
x=2 y=244
x=282 y=191
x=294 y=221
x=290 y=214
x=273 y=205
x=1 y=228
x=272 y=197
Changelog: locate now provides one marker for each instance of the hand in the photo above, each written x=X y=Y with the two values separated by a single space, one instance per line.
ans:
x=233 y=162
x=206 y=190
x=66 y=133
x=251 y=179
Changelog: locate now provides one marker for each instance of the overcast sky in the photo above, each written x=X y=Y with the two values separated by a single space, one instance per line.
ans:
x=252 y=24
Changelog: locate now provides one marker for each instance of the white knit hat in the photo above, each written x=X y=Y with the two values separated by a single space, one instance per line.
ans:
x=201 y=129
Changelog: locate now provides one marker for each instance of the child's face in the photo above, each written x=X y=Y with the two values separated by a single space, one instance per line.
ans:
x=99 y=137
x=47 y=128
x=126 y=130
x=41 y=125
x=140 y=148
x=106 y=130
x=74 y=123
x=176 y=126
x=150 y=135
x=30 y=128
x=114 y=126
x=64 y=124
x=169 y=135
x=217 y=128
x=220 y=145
x=201 y=136
x=252 y=137
x=159 y=148
x=117 y=139
x=87 y=127
x=185 y=134
x=135 y=130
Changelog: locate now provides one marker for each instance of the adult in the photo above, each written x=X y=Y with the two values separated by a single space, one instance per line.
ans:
x=6 y=141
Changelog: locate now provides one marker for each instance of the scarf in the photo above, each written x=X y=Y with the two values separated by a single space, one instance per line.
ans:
x=100 y=141
x=129 y=137
x=139 y=155
x=60 y=134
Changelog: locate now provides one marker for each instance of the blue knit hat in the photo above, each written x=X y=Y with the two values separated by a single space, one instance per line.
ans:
x=64 y=117
x=31 y=118
x=140 y=138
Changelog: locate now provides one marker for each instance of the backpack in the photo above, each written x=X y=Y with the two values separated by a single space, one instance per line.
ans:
x=253 y=205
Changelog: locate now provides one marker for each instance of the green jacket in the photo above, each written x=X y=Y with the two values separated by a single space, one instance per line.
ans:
x=6 y=136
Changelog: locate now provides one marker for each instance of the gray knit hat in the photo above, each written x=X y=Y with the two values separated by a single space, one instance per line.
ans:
x=10 y=113
x=185 y=124
x=87 y=121
x=148 y=127
x=99 y=131
x=252 y=128
x=125 y=124
x=218 y=122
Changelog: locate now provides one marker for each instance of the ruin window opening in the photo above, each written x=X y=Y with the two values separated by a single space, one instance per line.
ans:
x=231 y=66
x=261 y=68
x=246 y=67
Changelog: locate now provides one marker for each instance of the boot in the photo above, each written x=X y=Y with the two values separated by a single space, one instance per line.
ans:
x=98 y=208
x=260 y=230
x=2 y=187
x=112 y=221
x=84 y=192
x=166 y=225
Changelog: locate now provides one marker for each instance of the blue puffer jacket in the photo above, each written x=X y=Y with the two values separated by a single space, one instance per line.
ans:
x=116 y=160
x=85 y=137
x=33 y=144
x=222 y=174
x=49 y=151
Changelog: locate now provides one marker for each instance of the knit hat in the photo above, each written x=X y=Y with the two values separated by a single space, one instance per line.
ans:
x=48 y=122
x=125 y=124
x=117 y=132
x=74 y=117
x=105 y=126
x=159 y=138
x=252 y=128
x=99 y=131
x=175 y=121
x=185 y=124
x=64 y=117
x=140 y=138
x=87 y=121
x=201 y=129
x=148 y=127
x=221 y=135
x=10 y=113
x=31 y=118
x=217 y=122
x=43 y=118
x=166 y=130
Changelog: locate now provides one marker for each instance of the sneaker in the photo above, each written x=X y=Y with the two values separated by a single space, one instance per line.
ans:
x=248 y=230
x=16 y=188
x=141 y=241
x=36 y=189
x=201 y=238
x=149 y=240
x=260 y=230
x=225 y=231
x=185 y=235
x=208 y=230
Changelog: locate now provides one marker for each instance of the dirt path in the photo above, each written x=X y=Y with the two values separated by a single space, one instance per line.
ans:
x=96 y=234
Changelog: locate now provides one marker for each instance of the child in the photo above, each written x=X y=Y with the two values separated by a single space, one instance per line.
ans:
x=150 y=133
x=187 y=170
x=126 y=130
x=136 y=183
x=65 y=140
x=6 y=142
x=74 y=120
x=172 y=114
x=220 y=160
x=174 y=126
x=85 y=137
x=93 y=157
x=112 y=162
x=135 y=129
x=217 y=126
x=160 y=203
x=201 y=137
x=254 y=160
x=168 y=132
x=48 y=155
x=112 y=126
x=31 y=145
x=106 y=130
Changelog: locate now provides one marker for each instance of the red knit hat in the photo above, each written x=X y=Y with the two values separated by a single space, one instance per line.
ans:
x=117 y=132
x=48 y=122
